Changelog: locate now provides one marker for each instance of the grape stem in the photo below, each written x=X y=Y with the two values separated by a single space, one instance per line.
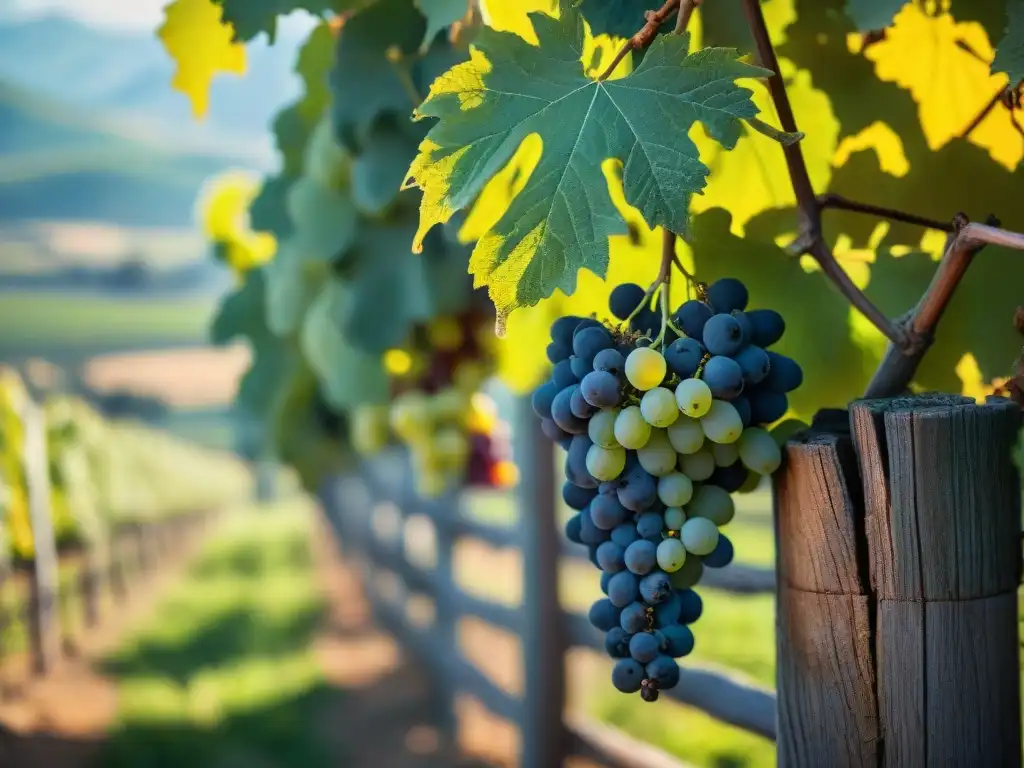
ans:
x=643 y=37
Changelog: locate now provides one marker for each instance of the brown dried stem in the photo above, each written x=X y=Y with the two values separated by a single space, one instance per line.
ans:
x=646 y=33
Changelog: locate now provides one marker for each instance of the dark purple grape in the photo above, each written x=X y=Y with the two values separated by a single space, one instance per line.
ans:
x=605 y=579
x=638 y=490
x=692 y=606
x=563 y=328
x=649 y=525
x=552 y=431
x=624 y=588
x=562 y=375
x=627 y=676
x=745 y=325
x=691 y=317
x=634 y=618
x=679 y=640
x=666 y=613
x=647 y=322
x=624 y=534
x=576 y=463
x=561 y=412
x=624 y=299
x=590 y=534
x=610 y=557
x=584 y=323
x=543 y=397
x=767 y=325
x=601 y=389
x=754 y=362
x=723 y=376
x=664 y=671
x=644 y=647
x=785 y=374
x=610 y=360
x=572 y=529
x=766 y=406
x=728 y=295
x=576 y=497
x=655 y=587
x=683 y=357
x=579 y=367
x=578 y=404
x=607 y=512
x=731 y=478
x=742 y=405
x=616 y=643
x=557 y=352
x=723 y=335
x=589 y=341
x=604 y=615
x=641 y=557
x=721 y=555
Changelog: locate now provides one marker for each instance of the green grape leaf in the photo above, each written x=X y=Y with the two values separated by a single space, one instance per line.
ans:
x=364 y=81
x=561 y=220
x=870 y=15
x=817 y=318
x=326 y=221
x=446 y=266
x=349 y=375
x=1010 y=51
x=292 y=284
x=621 y=18
x=251 y=17
x=313 y=65
x=379 y=169
x=440 y=14
x=240 y=313
x=268 y=211
x=272 y=361
x=291 y=132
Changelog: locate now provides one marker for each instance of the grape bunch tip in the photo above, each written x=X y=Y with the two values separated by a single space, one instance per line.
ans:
x=658 y=435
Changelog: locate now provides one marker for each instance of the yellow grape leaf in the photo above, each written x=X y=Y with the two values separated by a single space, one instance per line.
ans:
x=513 y=15
x=974 y=384
x=885 y=142
x=223 y=204
x=752 y=177
x=925 y=54
x=201 y=45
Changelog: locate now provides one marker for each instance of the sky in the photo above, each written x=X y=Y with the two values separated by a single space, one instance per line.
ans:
x=128 y=15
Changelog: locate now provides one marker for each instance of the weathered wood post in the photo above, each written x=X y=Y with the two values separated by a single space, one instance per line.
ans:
x=544 y=738
x=899 y=561
x=44 y=616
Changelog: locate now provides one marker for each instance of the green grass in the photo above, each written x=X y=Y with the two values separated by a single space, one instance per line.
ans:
x=63 y=320
x=225 y=675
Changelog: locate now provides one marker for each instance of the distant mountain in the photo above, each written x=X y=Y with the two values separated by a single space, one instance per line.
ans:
x=60 y=163
x=128 y=75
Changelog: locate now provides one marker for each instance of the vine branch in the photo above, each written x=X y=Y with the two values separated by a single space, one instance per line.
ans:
x=646 y=33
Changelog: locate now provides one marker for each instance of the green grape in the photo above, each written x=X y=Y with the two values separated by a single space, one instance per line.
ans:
x=605 y=463
x=369 y=429
x=697 y=466
x=722 y=424
x=601 y=428
x=675 y=489
x=659 y=408
x=699 y=535
x=645 y=368
x=658 y=457
x=688 y=576
x=452 y=448
x=686 y=435
x=758 y=451
x=693 y=397
x=410 y=416
x=671 y=555
x=725 y=454
x=674 y=518
x=630 y=428
x=713 y=503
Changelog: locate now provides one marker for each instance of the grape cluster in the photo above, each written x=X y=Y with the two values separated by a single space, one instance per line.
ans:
x=451 y=429
x=658 y=435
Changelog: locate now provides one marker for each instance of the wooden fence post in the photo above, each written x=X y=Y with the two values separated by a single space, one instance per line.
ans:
x=45 y=585
x=943 y=503
x=544 y=640
x=898 y=534
x=446 y=613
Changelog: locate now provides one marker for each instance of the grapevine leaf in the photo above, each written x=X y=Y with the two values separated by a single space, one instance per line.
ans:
x=201 y=45
x=291 y=132
x=292 y=285
x=1009 y=56
x=272 y=360
x=379 y=168
x=325 y=220
x=621 y=18
x=251 y=17
x=365 y=81
x=440 y=14
x=350 y=376
x=268 y=211
x=241 y=312
x=870 y=15
x=315 y=59
x=561 y=220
